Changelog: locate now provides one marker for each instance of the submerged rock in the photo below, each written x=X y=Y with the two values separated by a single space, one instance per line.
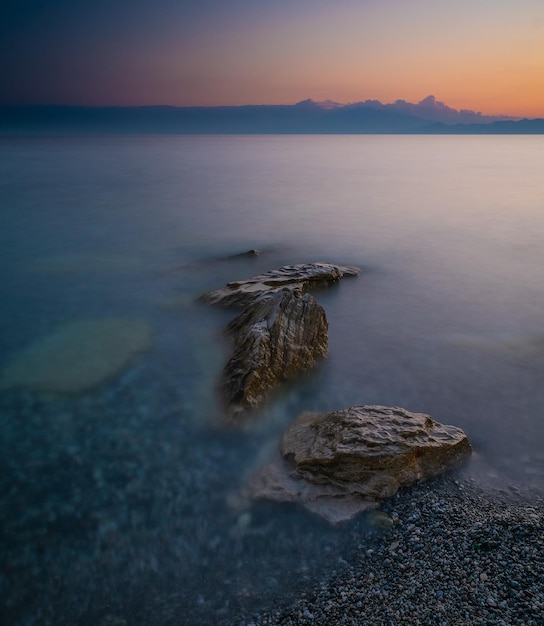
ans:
x=248 y=254
x=338 y=464
x=280 y=482
x=78 y=356
x=297 y=277
x=283 y=334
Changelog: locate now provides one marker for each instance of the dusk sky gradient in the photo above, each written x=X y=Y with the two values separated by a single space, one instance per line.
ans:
x=485 y=55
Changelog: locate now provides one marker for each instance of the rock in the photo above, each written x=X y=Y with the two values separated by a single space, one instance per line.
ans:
x=248 y=254
x=78 y=356
x=281 y=331
x=380 y=520
x=297 y=277
x=362 y=443
x=282 y=334
x=279 y=482
x=362 y=454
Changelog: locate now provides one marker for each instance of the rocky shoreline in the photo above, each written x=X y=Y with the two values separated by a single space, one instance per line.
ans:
x=108 y=522
x=115 y=512
x=452 y=556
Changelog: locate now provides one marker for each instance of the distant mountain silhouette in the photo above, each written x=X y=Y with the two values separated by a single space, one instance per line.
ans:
x=307 y=117
x=432 y=109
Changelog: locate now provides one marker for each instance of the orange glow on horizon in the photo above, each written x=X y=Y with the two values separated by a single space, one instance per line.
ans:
x=492 y=63
x=486 y=56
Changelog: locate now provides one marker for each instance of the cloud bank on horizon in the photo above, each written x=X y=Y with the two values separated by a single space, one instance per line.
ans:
x=476 y=55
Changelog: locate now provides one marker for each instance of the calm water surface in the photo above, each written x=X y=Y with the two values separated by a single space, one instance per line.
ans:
x=446 y=317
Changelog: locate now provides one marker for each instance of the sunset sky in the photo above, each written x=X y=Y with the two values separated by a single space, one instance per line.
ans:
x=485 y=55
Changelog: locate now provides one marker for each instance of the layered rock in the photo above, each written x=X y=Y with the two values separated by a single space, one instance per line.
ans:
x=338 y=464
x=300 y=277
x=284 y=333
x=281 y=331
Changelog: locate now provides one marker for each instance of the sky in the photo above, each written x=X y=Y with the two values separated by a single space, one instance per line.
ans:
x=484 y=55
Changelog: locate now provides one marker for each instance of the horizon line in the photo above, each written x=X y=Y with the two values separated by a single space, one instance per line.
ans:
x=326 y=104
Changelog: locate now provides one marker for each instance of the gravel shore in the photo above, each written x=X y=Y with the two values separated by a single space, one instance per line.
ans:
x=115 y=512
x=452 y=556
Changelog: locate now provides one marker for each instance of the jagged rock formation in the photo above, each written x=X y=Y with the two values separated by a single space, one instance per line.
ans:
x=281 y=331
x=341 y=463
x=282 y=334
x=297 y=277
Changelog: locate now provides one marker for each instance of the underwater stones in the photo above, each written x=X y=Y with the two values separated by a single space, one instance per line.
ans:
x=379 y=520
x=281 y=331
x=78 y=356
x=363 y=454
x=283 y=334
x=526 y=346
x=300 y=277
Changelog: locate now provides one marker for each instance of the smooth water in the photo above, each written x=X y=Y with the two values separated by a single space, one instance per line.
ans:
x=446 y=317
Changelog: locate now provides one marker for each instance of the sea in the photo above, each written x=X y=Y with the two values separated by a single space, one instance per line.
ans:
x=124 y=497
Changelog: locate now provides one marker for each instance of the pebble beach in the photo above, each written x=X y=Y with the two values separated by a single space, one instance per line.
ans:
x=452 y=556
x=122 y=518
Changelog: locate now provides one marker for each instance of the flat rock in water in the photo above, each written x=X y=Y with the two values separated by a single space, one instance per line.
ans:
x=78 y=356
x=337 y=464
x=280 y=482
x=297 y=277
x=284 y=333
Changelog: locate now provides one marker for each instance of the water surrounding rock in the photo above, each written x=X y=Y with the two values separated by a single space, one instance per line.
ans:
x=338 y=464
x=283 y=334
x=300 y=277
x=78 y=356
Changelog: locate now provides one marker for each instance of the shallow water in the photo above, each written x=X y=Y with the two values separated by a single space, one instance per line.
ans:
x=446 y=319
